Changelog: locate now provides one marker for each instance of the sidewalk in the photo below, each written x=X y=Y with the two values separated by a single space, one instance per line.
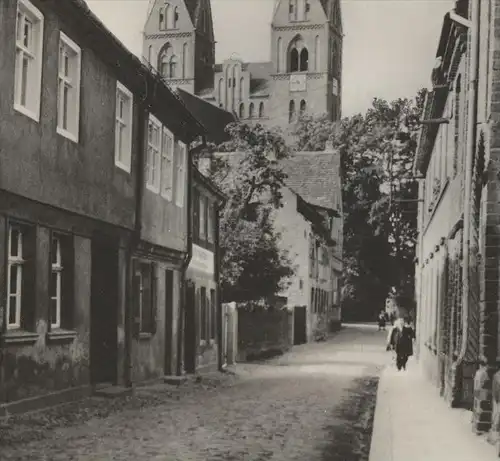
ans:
x=413 y=423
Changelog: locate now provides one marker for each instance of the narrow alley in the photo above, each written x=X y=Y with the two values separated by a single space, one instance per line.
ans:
x=314 y=403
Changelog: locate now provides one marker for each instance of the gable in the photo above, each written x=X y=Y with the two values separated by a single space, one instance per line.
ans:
x=292 y=13
x=167 y=10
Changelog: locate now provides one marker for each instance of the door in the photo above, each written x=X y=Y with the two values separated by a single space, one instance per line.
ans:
x=103 y=312
x=300 y=325
x=169 y=320
x=190 y=328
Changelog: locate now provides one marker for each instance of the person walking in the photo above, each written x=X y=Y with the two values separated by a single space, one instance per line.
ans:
x=400 y=340
x=381 y=320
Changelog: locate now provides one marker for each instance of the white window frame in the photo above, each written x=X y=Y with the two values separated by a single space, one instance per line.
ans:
x=57 y=268
x=167 y=164
x=15 y=261
x=34 y=53
x=123 y=147
x=73 y=83
x=153 y=158
x=180 y=170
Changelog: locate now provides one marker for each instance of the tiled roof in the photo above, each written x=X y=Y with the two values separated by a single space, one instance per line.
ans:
x=212 y=118
x=314 y=176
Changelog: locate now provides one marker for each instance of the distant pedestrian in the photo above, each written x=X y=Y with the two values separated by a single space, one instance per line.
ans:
x=381 y=320
x=400 y=340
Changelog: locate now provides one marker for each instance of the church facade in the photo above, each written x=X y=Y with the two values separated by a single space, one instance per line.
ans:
x=303 y=76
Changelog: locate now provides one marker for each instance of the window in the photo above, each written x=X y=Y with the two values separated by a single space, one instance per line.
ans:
x=251 y=110
x=261 y=110
x=307 y=9
x=298 y=56
x=291 y=112
x=28 y=70
x=123 y=127
x=204 y=315
x=68 y=108
x=173 y=67
x=15 y=277
x=242 y=82
x=213 y=315
x=150 y=54
x=210 y=223
x=184 y=60
x=55 y=288
x=203 y=217
x=303 y=107
x=168 y=17
x=145 y=296
x=175 y=18
x=242 y=111
x=279 y=54
x=292 y=10
x=180 y=179
x=161 y=19
x=153 y=155
x=167 y=164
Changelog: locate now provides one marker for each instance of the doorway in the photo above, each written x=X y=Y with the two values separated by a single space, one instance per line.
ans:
x=103 y=312
x=190 y=328
x=169 y=320
x=299 y=325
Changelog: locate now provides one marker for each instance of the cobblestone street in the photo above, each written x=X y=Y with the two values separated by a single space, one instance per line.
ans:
x=314 y=403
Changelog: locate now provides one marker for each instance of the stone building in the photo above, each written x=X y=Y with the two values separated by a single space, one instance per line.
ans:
x=457 y=268
x=95 y=187
x=303 y=75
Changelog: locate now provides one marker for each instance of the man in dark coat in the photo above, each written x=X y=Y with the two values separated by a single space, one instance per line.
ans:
x=401 y=341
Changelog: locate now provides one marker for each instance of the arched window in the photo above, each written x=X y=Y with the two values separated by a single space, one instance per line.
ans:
x=298 y=56
x=242 y=83
x=164 y=61
x=161 y=19
x=173 y=67
x=279 y=54
x=184 y=60
x=242 y=111
x=175 y=18
x=304 y=60
x=303 y=108
x=167 y=18
x=292 y=10
x=317 y=56
x=251 y=110
x=261 y=110
x=150 y=55
x=221 y=89
x=291 y=112
x=307 y=8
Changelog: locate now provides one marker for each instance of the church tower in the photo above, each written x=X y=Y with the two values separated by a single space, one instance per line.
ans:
x=306 y=54
x=179 y=43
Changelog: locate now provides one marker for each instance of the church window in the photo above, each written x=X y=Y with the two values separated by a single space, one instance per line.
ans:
x=184 y=60
x=242 y=82
x=172 y=65
x=261 y=110
x=175 y=18
x=307 y=8
x=251 y=110
x=298 y=56
x=162 y=19
x=166 y=17
x=242 y=111
x=292 y=10
x=304 y=59
x=317 y=55
x=150 y=54
x=164 y=61
x=303 y=108
x=291 y=112
x=279 y=54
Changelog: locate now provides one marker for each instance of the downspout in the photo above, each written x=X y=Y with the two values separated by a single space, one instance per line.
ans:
x=187 y=259
x=471 y=145
x=220 y=316
x=133 y=244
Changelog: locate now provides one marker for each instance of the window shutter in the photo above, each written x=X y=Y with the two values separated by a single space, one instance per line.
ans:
x=136 y=299
x=154 y=298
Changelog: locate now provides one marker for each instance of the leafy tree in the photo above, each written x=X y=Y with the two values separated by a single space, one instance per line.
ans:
x=379 y=197
x=253 y=265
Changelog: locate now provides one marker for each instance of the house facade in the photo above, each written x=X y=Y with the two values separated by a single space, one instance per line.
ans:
x=310 y=225
x=94 y=207
x=302 y=76
x=457 y=262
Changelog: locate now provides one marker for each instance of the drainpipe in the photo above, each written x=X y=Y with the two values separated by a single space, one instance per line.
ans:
x=187 y=258
x=469 y=159
x=220 y=317
x=134 y=243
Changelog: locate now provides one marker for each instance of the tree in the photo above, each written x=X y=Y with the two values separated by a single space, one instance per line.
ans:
x=379 y=197
x=253 y=265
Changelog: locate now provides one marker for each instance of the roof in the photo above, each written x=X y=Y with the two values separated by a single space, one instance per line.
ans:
x=314 y=176
x=212 y=118
x=208 y=184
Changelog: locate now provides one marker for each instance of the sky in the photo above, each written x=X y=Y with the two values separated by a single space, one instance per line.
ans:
x=389 y=45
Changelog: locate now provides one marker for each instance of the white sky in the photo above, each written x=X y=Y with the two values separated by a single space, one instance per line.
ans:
x=389 y=45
